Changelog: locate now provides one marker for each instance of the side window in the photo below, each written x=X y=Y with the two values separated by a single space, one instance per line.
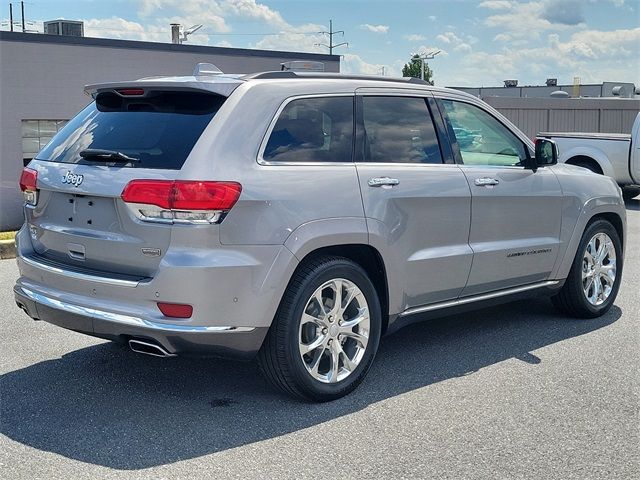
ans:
x=399 y=130
x=313 y=130
x=482 y=139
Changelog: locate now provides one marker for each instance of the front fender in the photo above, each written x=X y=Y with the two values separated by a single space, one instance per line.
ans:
x=591 y=208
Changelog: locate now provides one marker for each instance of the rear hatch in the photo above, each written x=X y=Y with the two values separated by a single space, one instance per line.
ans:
x=128 y=133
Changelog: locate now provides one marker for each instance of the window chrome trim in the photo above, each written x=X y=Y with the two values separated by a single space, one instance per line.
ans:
x=274 y=120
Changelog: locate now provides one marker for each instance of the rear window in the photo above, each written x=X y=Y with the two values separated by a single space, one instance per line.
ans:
x=158 y=130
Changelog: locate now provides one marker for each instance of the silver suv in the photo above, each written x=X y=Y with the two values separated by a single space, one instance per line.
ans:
x=299 y=217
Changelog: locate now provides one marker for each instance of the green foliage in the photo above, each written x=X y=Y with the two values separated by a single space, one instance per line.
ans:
x=413 y=69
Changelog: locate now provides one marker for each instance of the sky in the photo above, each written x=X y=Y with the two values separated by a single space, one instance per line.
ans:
x=481 y=42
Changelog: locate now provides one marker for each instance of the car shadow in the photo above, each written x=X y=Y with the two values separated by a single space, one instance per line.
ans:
x=107 y=406
x=633 y=204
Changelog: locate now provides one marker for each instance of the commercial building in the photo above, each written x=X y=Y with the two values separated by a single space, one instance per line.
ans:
x=42 y=79
x=512 y=90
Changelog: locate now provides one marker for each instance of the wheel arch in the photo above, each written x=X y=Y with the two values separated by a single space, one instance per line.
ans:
x=613 y=213
x=580 y=160
x=595 y=157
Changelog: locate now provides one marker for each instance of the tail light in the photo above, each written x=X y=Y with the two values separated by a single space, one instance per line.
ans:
x=181 y=201
x=28 y=185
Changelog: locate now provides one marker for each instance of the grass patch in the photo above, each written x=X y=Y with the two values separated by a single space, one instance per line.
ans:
x=7 y=235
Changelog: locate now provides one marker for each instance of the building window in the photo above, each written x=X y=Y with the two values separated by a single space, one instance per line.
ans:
x=36 y=134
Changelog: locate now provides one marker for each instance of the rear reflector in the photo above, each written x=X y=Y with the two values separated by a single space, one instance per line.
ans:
x=182 y=200
x=175 y=310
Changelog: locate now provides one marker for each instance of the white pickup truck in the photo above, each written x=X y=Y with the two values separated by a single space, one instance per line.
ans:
x=613 y=154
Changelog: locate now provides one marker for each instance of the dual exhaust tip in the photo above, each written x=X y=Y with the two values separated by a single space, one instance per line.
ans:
x=148 y=348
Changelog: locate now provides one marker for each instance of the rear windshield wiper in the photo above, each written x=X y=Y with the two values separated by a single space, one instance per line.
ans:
x=98 y=155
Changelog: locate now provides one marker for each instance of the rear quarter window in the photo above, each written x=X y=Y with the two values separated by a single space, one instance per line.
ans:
x=159 y=129
x=318 y=129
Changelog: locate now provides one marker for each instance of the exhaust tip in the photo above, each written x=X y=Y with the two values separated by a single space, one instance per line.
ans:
x=147 y=348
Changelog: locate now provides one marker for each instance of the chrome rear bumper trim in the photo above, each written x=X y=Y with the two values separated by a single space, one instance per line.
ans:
x=123 y=319
x=478 y=298
x=79 y=275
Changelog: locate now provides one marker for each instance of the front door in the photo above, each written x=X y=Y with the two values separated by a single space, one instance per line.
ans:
x=515 y=211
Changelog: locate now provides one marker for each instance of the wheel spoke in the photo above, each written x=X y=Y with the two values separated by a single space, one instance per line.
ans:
x=318 y=298
x=316 y=362
x=588 y=285
x=308 y=347
x=358 y=337
x=346 y=361
x=337 y=296
x=351 y=293
x=597 y=288
x=320 y=322
x=335 y=364
x=363 y=314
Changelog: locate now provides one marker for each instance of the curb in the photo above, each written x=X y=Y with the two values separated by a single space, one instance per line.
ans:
x=7 y=249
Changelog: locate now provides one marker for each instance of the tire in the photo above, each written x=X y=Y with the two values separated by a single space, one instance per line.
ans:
x=630 y=192
x=311 y=376
x=572 y=298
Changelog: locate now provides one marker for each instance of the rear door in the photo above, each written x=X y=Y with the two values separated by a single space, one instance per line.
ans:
x=416 y=200
x=515 y=211
x=80 y=219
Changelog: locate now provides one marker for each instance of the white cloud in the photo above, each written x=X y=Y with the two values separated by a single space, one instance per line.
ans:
x=415 y=37
x=496 y=4
x=433 y=18
x=375 y=28
x=592 y=55
x=120 y=28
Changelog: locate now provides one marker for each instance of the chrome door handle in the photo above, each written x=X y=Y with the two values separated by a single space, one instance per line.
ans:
x=383 y=182
x=486 y=181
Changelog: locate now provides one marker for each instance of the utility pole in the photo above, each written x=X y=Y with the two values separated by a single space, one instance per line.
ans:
x=331 y=33
x=22 y=9
x=11 y=15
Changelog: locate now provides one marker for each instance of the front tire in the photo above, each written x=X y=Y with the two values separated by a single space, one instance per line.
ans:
x=326 y=332
x=594 y=278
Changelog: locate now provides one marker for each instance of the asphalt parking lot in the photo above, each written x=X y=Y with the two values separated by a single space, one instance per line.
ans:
x=516 y=391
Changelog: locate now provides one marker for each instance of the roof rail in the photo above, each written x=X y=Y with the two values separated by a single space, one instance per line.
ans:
x=330 y=76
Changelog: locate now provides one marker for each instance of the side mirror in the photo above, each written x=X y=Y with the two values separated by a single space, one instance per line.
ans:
x=546 y=152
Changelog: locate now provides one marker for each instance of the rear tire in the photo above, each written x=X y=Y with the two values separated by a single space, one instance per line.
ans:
x=308 y=318
x=593 y=282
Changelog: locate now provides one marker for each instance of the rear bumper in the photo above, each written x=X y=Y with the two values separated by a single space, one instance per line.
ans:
x=226 y=341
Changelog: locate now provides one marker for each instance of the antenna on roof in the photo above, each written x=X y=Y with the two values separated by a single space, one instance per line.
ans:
x=203 y=68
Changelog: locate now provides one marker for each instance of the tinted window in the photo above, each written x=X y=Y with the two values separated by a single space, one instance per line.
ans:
x=313 y=130
x=399 y=129
x=159 y=130
x=482 y=139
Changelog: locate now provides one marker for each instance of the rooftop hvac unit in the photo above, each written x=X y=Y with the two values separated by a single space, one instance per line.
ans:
x=69 y=28
x=510 y=83
x=302 y=66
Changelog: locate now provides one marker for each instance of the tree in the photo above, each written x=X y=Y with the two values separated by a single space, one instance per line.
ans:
x=414 y=69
